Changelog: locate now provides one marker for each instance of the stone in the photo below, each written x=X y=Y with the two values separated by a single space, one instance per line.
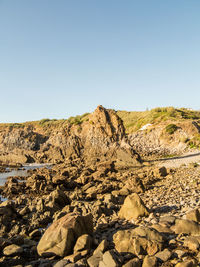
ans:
x=61 y=263
x=74 y=257
x=136 y=185
x=7 y=209
x=164 y=255
x=70 y=265
x=35 y=233
x=109 y=259
x=149 y=233
x=59 y=239
x=82 y=263
x=162 y=229
x=160 y=172
x=186 y=263
x=193 y=215
x=180 y=253
x=139 y=241
x=168 y=219
x=123 y=241
x=133 y=208
x=150 y=261
x=58 y=197
x=12 y=250
x=95 y=259
x=101 y=247
x=4 y=243
x=186 y=227
x=133 y=263
x=83 y=242
x=24 y=211
x=192 y=243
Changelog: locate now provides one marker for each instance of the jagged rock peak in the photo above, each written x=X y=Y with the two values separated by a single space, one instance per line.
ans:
x=108 y=121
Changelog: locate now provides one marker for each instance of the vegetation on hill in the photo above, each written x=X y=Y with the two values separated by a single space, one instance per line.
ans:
x=48 y=123
x=134 y=120
x=171 y=128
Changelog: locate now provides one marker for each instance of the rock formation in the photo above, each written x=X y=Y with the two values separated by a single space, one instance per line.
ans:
x=102 y=136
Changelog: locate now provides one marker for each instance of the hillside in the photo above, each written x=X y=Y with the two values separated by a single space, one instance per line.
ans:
x=134 y=120
x=160 y=131
x=100 y=134
x=109 y=196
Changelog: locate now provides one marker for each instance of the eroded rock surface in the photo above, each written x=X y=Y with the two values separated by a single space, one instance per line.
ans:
x=102 y=135
x=143 y=214
x=59 y=239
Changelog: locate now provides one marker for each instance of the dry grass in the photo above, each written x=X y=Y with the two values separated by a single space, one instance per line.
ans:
x=134 y=120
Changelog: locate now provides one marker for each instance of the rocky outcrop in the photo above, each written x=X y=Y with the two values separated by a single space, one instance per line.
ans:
x=169 y=236
x=138 y=241
x=101 y=136
x=133 y=208
x=60 y=238
x=156 y=141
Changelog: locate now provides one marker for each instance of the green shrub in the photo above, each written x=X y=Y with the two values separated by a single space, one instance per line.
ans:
x=43 y=121
x=171 y=128
x=79 y=119
x=75 y=120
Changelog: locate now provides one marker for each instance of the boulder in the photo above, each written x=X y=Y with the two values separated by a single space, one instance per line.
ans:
x=95 y=259
x=133 y=208
x=164 y=255
x=83 y=242
x=12 y=250
x=186 y=263
x=192 y=243
x=109 y=259
x=7 y=209
x=149 y=233
x=150 y=261
x=160 y=172
x=58 y=197
x=133 y=263
x=137 y=185
x=101 y=247
x=60 y=238
x=139 y=241
x=186 y=227
x=193 y=215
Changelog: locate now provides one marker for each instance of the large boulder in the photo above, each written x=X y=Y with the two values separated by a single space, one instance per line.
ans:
x=83 y=242
x=149 y=261
x=12 y=250
x=60 y=238
x=138 y=241
x=186 y=227
x=57 y=198
x=133 y=208
x=193 y=215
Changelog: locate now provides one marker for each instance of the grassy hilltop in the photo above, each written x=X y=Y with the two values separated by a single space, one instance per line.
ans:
x=134 y=120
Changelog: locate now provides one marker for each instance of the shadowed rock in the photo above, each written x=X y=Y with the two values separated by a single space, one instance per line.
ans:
x=59 y=239
x=133 y=208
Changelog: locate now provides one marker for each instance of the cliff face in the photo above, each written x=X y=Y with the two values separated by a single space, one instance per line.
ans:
x=101 y=136
x=104 y=136
x=156 y=141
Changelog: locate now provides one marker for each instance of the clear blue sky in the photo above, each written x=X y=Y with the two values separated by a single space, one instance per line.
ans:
x=60 y=58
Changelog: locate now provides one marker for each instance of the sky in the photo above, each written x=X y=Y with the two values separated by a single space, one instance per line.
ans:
x=61 y=58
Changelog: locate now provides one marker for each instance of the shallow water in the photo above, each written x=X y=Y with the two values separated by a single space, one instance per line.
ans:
x=21 y=173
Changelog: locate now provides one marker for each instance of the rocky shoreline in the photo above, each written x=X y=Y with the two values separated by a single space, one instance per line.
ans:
x=102 y=215
x=100 y=204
